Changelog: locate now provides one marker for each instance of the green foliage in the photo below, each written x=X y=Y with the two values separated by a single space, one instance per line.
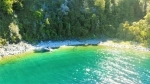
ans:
x=38 y=14
x=44 y=19
x=2 y=41
x=14 y=32
x=18 y=5
x=9 y=6
x=147 y=18
x=137 y=31
x=47 y=22
x=100 y=3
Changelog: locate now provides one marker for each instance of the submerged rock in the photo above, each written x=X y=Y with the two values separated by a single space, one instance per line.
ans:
x=47 y=49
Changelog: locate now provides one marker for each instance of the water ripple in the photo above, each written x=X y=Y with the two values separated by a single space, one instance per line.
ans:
x=121 y=68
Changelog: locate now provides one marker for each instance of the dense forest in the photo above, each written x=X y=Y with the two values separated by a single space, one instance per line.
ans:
x=35 y=20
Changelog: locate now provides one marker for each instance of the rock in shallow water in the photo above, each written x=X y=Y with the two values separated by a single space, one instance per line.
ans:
x=42 y=50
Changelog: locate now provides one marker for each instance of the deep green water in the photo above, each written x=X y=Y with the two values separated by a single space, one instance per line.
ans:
x=79 y=65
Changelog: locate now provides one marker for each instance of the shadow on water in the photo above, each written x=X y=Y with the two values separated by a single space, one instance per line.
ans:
x=40 y=51
x=44 y=50
x=84 y=45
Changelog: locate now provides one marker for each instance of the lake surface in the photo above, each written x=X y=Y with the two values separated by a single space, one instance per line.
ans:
x=79 y=65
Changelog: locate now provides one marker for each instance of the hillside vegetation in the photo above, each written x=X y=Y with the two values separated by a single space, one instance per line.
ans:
x=35 y=20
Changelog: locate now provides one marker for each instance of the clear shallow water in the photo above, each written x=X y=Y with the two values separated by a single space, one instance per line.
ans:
x=79 y=65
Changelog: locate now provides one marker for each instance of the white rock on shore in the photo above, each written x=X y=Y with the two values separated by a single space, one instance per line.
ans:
x=12 y=49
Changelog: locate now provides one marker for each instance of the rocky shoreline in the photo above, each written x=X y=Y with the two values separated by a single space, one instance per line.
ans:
x=124 y=45
x=13 y=49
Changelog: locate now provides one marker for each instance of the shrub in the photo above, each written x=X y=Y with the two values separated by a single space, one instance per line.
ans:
x=2 y=41
x=14 y=32
x=9 y=6
x=18 y=5
x=38 y=14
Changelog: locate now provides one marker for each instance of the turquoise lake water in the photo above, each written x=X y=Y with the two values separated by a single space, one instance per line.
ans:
x=79 y=65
